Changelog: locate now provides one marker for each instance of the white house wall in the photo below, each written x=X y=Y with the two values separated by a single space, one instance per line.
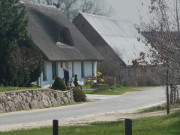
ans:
x=95 y=68
x=60 y=70
x=70 y=69
x=77 y=70
x=87 y=68
x=48 y=70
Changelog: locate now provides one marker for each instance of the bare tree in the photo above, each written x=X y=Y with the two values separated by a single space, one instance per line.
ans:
x=162 y=36
x=23 y=62
x=72 y=7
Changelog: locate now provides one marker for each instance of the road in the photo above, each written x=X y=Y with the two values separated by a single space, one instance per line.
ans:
x=106 y=104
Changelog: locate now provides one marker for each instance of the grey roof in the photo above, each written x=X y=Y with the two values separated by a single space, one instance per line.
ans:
x=120 y=35
x=44 y=26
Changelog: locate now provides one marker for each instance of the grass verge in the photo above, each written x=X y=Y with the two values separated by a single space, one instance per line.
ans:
x=115 y=90
x=159 y=108
x=159 y=125
x=4 y=89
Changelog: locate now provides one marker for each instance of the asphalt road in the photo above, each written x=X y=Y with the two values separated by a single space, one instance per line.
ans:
x=106 y=104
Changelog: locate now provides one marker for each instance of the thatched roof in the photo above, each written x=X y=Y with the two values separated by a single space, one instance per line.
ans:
x=45 y=24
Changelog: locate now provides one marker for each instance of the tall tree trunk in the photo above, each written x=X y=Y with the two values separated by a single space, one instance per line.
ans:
x=167 y=88
x=177 y=14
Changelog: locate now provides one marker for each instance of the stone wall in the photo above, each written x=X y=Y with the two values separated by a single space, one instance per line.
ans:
x=33 y=99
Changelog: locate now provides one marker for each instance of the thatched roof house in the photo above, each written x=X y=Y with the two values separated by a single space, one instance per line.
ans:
x=61 y=43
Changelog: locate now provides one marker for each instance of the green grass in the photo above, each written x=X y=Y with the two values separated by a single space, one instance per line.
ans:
x=160 y=125
x=158 y=108
x=115 y=90
x=4 y=89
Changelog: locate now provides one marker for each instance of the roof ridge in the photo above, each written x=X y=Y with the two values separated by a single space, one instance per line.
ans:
x=107 y=17
x=96 y=15
x=41 y=5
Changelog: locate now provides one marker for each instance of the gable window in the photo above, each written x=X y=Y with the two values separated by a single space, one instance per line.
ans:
x=62 y=38
x=54 y=70
x=65 y=37
x=82 y=68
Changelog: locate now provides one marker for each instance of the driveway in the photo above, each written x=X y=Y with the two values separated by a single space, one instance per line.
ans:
x=103 y=105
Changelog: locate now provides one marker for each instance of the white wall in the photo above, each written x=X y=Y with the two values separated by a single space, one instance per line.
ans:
x=77 y=71
x=70 y=69
x=60 y=70
x=48 y=70
x=95 y=68
x=87 y=68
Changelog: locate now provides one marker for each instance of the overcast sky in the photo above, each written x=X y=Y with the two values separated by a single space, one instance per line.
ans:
x=129 y=9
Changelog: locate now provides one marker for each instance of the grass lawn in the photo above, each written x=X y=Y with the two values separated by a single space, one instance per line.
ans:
x=161 y=125
x=4 y=89
x=115 y=90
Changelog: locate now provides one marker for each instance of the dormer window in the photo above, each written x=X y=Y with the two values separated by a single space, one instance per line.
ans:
x=61 y=38
x=65 y=37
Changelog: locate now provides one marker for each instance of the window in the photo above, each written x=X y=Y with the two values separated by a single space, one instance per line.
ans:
x=44 y=74
x=65 y=37
x=82 y=68
x=54 y=70
x=93 y=68
x=72 y=68
x=61 y=38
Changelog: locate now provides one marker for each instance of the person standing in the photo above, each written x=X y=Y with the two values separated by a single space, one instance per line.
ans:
x=66 y=76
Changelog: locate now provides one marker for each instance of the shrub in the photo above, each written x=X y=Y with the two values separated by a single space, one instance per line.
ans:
x=59 y=84
x=94 y=85
x=110 y=80
x=79 y=95
x=142 y=80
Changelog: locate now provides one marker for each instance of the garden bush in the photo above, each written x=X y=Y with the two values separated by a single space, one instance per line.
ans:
x=59 y=84
x=94 y=85
x=142 y=80
x=78 y=95
x=111 y=81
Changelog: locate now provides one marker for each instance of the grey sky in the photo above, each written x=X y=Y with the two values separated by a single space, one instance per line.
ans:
x=129 y=9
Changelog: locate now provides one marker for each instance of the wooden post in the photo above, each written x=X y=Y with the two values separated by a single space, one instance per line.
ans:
x=128 y=127
x=55 y=127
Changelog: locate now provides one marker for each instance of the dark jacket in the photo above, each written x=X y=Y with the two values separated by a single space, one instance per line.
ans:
x=66 y=75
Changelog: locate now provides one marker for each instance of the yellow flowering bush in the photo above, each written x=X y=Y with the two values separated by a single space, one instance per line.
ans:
x=99 y=74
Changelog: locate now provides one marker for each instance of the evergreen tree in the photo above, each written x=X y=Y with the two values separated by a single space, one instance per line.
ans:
x=19 y=57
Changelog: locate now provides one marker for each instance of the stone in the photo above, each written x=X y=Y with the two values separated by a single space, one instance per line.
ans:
x=28 y=99
x=33 y=105
x=7 y=108
x=11 y=106
x=161 y=107
x=27 y=106
x=18 y=105
x=54 y=102
x=45 y=103
x=1 y=108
